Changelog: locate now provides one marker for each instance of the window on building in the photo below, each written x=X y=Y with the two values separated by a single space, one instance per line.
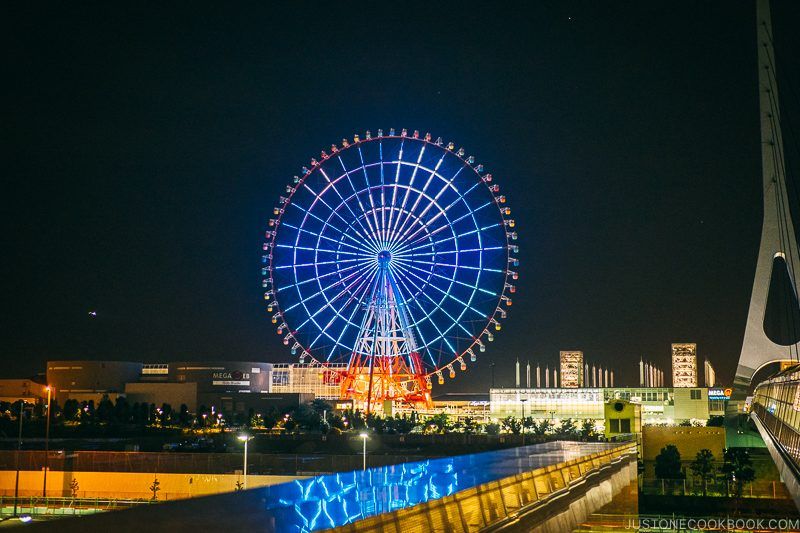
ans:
x=625 y=425
x=614 y=422
x=695 y=394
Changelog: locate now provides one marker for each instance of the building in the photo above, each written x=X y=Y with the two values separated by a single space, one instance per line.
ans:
x=223 y=384
x=323 y=382
x=621 y=417
x=709 y=375
x=659 y=406
x=12 y=390
x=90 y=380
x=684 y=364
x=571 y=369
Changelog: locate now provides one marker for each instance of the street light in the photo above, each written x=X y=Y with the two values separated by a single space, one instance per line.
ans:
x=245 y=438
x=19 y=448
x=46 y=443
x=523 y=400
x=364 y=438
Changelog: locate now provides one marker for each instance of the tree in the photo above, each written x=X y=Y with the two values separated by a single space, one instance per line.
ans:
x=587 y=430
x=184 y=417
x=437 y=423
x=105 y=410
x=403 y=425
x=154 y=488
x=668 y=463
x=492 y=429
x=511 y=424
x=567 y=428
x=306 y=417
x=270 y=417
x=469 y=425
x=71 y=409
x=320 y=406
x=703 y=467
x=716 y=421
x=165 y=414
x=122 y=410
x=738 y=468
x=543 y=427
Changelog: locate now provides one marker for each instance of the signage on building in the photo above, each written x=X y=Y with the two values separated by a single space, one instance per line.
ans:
x=231 y=378
x=720 y=394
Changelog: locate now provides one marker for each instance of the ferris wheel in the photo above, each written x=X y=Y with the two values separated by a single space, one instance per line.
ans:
x=392 y=255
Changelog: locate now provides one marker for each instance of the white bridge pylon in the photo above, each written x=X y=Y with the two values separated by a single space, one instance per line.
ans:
x=778 y=238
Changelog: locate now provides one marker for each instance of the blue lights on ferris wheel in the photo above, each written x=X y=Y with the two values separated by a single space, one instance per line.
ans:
x=415 y=208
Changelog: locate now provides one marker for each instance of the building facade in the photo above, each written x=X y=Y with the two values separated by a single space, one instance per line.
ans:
x=90 y=380
x=571 y=369
x=684 y=364
x=323 y=382
x=659 y=406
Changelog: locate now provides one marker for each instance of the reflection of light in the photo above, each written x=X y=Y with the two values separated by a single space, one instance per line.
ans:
x=334 y=500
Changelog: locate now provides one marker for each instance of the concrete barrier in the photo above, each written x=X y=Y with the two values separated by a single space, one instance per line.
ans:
x=130 y=485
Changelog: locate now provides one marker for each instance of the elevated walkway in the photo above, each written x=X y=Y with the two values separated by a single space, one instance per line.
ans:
x=548 y=486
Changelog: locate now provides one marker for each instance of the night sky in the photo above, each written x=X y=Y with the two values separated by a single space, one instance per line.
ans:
x=145 y=147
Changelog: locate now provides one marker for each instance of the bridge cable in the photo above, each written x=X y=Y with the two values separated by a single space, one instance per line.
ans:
x=783 y=229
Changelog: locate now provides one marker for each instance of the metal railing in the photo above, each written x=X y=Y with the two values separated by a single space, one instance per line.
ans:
x=59 y=506
x=685 y=487
x=190 y=463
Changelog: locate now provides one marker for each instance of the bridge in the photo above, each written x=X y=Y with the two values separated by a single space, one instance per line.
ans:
x=553 y=486
x=775 y=407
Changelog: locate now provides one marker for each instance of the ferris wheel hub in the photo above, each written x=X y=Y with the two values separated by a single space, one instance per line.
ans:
x=384 y=258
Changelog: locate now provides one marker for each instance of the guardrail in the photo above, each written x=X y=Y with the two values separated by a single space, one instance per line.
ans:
x=41 y=506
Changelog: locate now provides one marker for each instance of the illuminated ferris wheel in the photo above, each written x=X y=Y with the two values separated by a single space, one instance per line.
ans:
x=391 y=254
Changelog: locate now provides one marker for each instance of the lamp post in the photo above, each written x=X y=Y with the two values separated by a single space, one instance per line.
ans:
x=245 y=438
x=46 y=444
x=364 y=438
x=523 y=400
x=19 y=448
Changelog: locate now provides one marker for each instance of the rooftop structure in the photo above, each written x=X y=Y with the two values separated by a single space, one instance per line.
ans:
x=684 y=364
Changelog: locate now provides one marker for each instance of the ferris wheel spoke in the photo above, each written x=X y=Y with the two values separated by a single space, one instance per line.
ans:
x=365 y=233
x=460 y=199
x=325 y=250
x=324 y=223
x=371 y=200
x=397 y=228
x=453 y=320
x=323 y=276
x=417 y=324
x=434 y=199
x=442 y=212
x=449 y=265
x=298 y=265
x=362 y=283
x=420 y=195
x=347 y=223
x=372 y=231
x=395 y=189
x=318 y=236
x=444 y=292
x=368 y=283
x=301 y=298
x=310 y=315
x=477 y=231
